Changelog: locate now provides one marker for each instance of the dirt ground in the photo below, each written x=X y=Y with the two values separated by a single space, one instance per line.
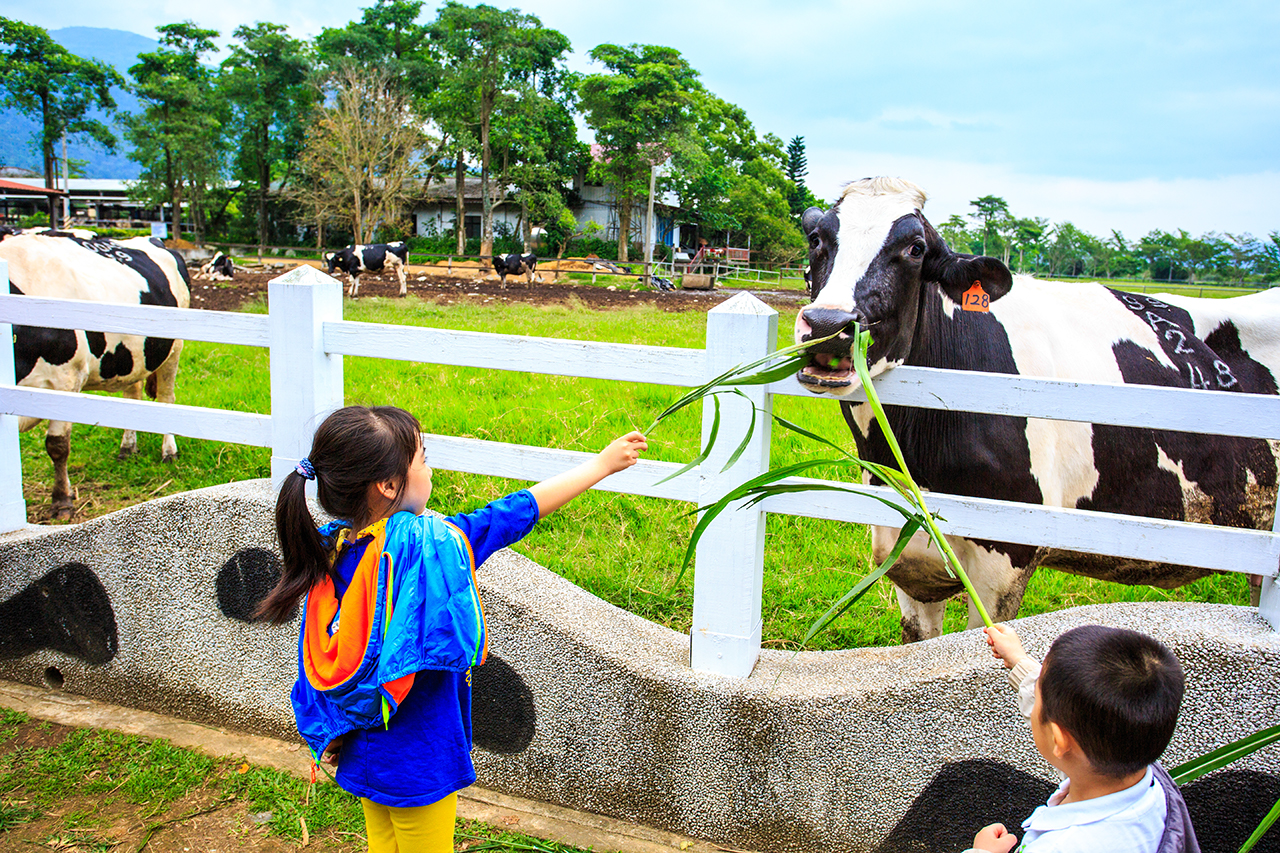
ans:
x=202 y=821
x=436 y=284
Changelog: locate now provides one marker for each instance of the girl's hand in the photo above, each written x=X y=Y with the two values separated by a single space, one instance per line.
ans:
x=623 y=452
x=332 y=751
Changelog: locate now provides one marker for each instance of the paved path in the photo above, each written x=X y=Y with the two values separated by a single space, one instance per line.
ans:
x=540 y=820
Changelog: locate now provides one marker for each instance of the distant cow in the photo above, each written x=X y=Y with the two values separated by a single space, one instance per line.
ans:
x=138 y=271
x=515 y=264
x=875 y=260
x=354 y=260
x=219 y=268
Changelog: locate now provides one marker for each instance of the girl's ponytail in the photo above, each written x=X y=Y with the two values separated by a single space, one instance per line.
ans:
x=306 y=560
x=353 y=448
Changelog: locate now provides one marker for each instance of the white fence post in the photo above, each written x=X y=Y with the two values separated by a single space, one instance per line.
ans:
x=13 y=509
x=729 y=567
x=306 y=382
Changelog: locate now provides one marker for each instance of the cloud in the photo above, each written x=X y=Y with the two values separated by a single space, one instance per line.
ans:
x=1232 y=203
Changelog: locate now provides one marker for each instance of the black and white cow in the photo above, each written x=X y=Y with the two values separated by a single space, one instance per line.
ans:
x=138 y=271
x=515 y=264
x=876 y=260
x=219 y=268
x=354 y=260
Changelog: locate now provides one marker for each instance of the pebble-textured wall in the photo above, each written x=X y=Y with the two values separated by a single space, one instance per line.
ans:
x=590 y=707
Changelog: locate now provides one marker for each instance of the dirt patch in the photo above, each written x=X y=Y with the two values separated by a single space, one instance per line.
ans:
x=470 y=284
x=204 y=820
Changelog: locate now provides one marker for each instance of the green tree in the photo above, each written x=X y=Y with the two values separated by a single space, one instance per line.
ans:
x=387 y=34
x=178 y=138
x=366 y=151
x=799 y=197
x=42 y=79
x=495 y=65
x=990 y=210
x=1069 y=252
x=731 y=181
x=955 y=233
x=1028 y=236
x=265 y=81
x=639 y=111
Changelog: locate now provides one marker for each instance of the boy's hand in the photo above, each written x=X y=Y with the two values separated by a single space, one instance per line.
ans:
x=1005 y=645
x=623 y=452
x=995 y=838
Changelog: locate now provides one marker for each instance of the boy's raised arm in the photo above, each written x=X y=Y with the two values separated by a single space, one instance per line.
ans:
x=1005 y=645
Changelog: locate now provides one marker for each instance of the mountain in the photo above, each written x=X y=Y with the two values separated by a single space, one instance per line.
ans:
x=118 y=48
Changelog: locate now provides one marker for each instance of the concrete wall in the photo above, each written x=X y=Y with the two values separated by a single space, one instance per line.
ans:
x=587 y=706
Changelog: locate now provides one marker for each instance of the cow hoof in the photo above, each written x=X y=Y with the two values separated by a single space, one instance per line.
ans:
x=62 y=511
x=126 y=453
x=169 y=458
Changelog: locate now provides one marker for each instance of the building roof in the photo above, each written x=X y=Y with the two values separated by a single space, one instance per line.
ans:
x=28 y=187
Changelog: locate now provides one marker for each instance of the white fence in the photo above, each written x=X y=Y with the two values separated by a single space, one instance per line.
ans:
x=307 y=338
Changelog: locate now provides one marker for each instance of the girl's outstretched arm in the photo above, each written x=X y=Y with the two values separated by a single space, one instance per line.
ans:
x=622 y=453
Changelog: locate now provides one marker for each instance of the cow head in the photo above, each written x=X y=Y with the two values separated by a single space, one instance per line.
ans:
x=874 y=260
x=330 y=261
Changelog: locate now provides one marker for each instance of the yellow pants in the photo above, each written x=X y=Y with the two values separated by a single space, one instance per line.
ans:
x=421 y=829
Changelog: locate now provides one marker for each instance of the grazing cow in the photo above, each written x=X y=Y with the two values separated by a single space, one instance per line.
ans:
x=219 y=268
x=354 y=260
x=515 y=264
x=876 y=260
x=138 y=271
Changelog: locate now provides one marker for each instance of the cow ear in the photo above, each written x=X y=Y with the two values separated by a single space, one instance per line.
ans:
x=960 y=273
x=956 y=273
x=809 y=220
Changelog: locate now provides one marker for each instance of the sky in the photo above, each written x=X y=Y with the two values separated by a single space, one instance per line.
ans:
x=1130 y=116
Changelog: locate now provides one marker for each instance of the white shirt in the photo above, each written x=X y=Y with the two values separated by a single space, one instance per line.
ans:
x=1131 y=821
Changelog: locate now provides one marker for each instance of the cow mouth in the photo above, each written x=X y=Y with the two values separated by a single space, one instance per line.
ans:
x=827 y=370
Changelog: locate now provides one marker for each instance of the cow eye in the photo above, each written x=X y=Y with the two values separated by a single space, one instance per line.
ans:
x=916 y=250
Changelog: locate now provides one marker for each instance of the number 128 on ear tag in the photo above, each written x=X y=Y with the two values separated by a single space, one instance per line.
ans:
x=976 y=299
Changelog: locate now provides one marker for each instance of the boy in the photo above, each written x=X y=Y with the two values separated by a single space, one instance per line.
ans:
x=1102 y=709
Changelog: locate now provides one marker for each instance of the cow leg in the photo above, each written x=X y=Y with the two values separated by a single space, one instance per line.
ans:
x=921 y=620
x=404 y=283
x=354 y=287
x=129 y=439
x=57 y=443
x=166 y=379
x=999 y=578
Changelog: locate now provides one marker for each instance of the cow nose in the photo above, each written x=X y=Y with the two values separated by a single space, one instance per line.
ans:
x=824 y=322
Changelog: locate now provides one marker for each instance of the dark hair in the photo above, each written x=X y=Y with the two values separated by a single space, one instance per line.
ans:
x=354 y=447
x=1116 y=691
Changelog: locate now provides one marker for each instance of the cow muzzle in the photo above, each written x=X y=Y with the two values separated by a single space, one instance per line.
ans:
x=830 y=362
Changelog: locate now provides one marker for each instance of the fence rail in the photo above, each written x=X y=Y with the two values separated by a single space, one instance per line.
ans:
x=308 y=338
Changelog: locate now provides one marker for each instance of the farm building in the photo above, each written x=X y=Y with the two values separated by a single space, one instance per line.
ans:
x=103 y=202
x=437 y=212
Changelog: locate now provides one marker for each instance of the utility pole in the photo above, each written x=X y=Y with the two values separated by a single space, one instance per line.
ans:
x=66 y=184
x=648 y=229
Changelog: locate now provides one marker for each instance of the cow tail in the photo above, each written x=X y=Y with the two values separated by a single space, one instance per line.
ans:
x=153 y=385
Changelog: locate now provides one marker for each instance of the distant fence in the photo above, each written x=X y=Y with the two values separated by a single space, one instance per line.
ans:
x=308 y=338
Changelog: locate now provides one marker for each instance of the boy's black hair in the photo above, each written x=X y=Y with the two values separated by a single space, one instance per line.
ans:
x=1116 y=691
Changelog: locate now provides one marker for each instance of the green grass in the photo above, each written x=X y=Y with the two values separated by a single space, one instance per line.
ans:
x=146 y=777
x=622 y=548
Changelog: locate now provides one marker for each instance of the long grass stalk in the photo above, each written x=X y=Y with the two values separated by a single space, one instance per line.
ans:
x=771 y=368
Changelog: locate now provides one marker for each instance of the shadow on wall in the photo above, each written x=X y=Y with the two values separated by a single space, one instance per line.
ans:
x=965 y=796
x=67 y=611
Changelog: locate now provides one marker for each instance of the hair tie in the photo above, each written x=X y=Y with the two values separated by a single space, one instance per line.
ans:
x=305 y=468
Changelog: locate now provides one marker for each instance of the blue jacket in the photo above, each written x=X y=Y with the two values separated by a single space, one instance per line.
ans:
x=412 y=605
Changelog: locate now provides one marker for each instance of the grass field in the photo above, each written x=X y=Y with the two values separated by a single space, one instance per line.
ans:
x=624 y=549
x=95 y=791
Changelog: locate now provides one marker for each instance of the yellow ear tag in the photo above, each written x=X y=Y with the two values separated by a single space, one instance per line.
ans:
x=976 y=299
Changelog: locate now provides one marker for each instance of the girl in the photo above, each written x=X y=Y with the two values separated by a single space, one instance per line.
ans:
x=392 y=621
